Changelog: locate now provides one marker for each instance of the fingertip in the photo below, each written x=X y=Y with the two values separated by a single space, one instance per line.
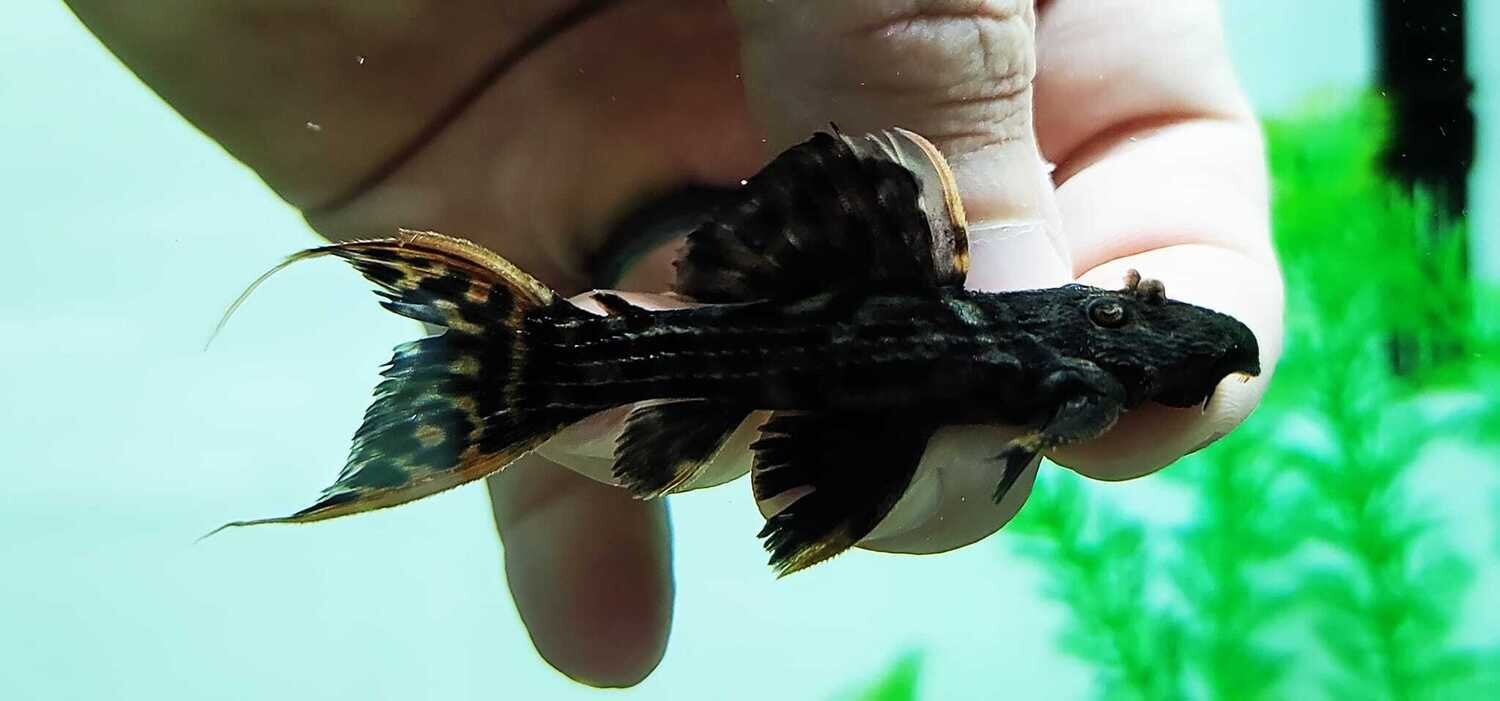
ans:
x=951 y=501
x=1153 y=437
x=589 y=569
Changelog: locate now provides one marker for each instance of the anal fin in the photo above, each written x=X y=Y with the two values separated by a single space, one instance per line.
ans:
x=845 y=472
x=667 y=446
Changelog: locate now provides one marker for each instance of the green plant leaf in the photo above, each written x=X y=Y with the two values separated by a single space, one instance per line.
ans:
x=1307 y=508
x=899 y=682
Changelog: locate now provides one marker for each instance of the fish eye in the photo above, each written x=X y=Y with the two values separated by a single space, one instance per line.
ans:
x=1107 y=313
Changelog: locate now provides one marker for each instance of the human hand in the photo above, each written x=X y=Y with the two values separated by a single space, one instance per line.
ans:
x=1157 y=168
x=498 y=136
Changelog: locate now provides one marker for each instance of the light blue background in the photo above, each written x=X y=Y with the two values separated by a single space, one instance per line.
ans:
x=121 y=441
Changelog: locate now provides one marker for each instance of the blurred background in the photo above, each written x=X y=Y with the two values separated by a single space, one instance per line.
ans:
x=1342 y=545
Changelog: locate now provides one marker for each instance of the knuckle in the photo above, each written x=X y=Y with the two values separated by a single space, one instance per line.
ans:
x=964 y=67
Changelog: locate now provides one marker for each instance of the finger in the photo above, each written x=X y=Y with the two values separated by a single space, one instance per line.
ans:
x=949 y=503
x=958 y=72
x=1151 y=437
x=589 y=569
x=1184 y=202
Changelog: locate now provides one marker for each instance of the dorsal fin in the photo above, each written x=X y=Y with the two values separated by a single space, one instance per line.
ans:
x=833 y=212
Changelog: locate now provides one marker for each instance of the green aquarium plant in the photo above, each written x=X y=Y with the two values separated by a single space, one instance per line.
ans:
x=1372 y=267
x=1313 y=566
x=897 y=683
x=1097 y=567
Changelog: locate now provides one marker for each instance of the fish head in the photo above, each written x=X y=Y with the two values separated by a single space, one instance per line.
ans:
x=1161 y=350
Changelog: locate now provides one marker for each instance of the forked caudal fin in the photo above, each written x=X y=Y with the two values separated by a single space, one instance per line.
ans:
x=449 y=409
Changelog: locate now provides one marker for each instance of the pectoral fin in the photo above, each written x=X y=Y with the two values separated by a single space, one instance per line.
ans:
x=844 y=471
x=1080 y=418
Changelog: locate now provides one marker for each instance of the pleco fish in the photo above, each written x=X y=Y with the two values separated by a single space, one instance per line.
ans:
x=835 y=299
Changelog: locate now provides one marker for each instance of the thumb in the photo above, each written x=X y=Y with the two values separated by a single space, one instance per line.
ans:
x=958 y=72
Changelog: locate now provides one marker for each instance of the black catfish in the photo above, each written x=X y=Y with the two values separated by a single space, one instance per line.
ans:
x=835 y=299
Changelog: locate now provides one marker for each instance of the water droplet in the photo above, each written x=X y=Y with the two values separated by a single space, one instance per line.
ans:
x=360 y=60
x=313 y=126
x=744 y=181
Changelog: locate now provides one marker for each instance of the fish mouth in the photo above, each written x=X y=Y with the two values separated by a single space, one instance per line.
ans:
x=1244 y=370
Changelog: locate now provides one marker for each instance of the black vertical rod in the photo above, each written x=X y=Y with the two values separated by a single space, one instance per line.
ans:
x=1426 y=83
x=1424 y=78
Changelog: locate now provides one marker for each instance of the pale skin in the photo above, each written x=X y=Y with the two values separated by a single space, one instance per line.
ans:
x=1157 y=161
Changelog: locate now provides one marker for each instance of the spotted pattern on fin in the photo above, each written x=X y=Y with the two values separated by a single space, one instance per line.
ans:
x=450 y=409
x=667 y=446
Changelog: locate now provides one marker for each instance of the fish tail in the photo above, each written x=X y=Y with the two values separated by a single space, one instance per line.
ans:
x=453 y=406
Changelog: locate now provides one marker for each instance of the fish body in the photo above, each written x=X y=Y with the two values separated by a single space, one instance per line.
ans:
x=962 y=355
x=835 y=299
x=826 y=352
